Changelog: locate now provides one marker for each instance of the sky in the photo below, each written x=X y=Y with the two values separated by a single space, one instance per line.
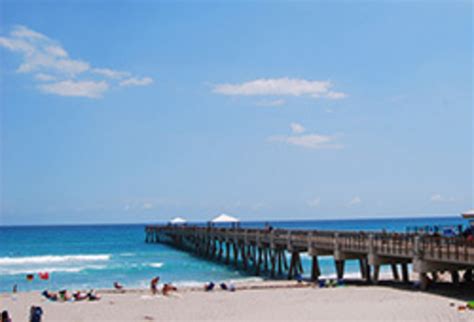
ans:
x=139 y=111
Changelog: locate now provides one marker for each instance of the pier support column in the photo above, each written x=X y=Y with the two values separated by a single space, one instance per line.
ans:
x=285 y=262
x=236 y=254
x=455 y=277
x=272 y=262
x=295 y=265
x=244 y=257
x=265 y=259
x=280 y=262
x=227 y=252
x=467 y=276
x=292 y=266
x=363 y=268
x=300 y=264
x=405 y=275
x=259 y=260
x=376 y=273
x=340 y=269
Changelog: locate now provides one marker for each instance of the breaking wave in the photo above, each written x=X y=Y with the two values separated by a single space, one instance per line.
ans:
x=4 y=261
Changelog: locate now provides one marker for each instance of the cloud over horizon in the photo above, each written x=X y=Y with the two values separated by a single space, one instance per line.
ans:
x=57 y=73
x=284 y=86
x=308 y=141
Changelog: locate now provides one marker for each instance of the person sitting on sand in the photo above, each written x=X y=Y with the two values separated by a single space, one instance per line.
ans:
x=154 y=285
x=92 y=296
x=79 y=296
x=6 y=317
x=209 y=286
x=50 y=295
x=223 y=286
x=167 y=288
x=118 y=286
x=64 y=296
x=231 y=288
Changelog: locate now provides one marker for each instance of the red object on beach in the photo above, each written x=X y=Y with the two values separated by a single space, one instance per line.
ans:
x=43 y=275
x=30 y=277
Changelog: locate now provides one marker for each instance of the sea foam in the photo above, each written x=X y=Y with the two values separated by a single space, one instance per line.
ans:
x=8 y=261
x=156 y=265
x=21 y=271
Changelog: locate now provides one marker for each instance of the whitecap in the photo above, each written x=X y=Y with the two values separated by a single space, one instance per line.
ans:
x=21 y=271
x=52 y=259
x=156 y=265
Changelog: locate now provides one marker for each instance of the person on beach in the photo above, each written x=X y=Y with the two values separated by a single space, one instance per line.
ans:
x=167 y=288
x=15 y=288
x=79 y=296
x=50 y=295
x=209 y=286
x=154 y=285
x=6 y=317
x=92 y=296
x=118 y=286
x=64 y=296
x=36 y=313
x=223 y=286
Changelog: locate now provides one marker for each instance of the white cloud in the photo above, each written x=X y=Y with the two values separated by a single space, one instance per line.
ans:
x=355 y=201
x=313 y=203
x=56 y=51
x=336 y=95
x=49 y=61
x=110 y=73
x=44 y=77
x=89 y=89
x=297 y=128
x=271 y=103
x=24 y=32
x=309 y=141
x=134 y=81
x=280 y=87
x=439 y=198
x=16 y=45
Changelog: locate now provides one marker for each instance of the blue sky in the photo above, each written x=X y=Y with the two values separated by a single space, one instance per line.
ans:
x=140 y=111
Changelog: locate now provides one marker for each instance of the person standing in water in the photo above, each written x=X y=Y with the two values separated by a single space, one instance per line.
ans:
x=154 y=285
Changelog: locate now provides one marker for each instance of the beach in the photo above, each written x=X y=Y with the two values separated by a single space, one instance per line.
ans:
x=262 y=301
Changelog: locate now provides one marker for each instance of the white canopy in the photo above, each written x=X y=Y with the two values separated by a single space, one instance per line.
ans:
x=177 y=221
x=223 y=218
x=468 y=214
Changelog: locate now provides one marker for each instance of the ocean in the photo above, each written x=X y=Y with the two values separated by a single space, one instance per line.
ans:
x=95 y=256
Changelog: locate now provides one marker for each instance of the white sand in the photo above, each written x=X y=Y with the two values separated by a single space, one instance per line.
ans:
x=352 y=303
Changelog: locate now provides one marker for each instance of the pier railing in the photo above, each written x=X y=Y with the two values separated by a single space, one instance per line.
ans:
x=456 y=250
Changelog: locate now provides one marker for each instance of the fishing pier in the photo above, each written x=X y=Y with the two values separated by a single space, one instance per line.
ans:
x=278 y=251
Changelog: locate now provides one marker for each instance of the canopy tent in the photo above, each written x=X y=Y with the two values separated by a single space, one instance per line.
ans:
x=178 y=221
x=224 y=219
x=468 y=214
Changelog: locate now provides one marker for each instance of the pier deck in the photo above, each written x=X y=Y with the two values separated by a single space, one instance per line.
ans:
x=265 y=250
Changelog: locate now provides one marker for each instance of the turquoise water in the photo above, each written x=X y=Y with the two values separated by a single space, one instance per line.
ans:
x=79 y=257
